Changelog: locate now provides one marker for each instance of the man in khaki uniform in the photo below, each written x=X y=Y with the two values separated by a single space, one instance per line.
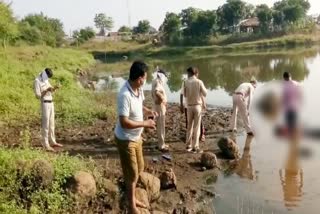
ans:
x=159 y=105
x=242 y=99
x=194 y=90
x=43 y=91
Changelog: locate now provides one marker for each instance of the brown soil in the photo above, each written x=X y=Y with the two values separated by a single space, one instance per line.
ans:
x=194 y=183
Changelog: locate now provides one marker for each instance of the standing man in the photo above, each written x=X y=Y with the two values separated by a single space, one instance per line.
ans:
x=183 y=110
x=242 y=99
x=194 y=90
x=159 y=105
x=292 y=100
x=43 y=91
x=129 y=128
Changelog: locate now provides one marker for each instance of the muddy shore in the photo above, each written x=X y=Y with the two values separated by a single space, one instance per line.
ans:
x=195 y=185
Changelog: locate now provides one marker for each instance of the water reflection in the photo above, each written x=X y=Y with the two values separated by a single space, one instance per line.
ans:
x=291 y=178
x=228 y=71
x=245 y=168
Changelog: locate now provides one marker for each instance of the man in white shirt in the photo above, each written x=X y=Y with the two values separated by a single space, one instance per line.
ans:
x=194 y=91
x=242 y=98
x=43 y=91
x=159 y=105
x=129 y=127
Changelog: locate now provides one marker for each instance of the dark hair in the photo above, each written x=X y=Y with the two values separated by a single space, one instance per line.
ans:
x=163 y=72
x=192 y=70
x=286 y=75
x=138 y=69
x=49 y=72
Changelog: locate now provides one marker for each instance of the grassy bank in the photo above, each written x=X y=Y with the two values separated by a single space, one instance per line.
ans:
x=18 y=68
x=16 y=168
x=116 y=50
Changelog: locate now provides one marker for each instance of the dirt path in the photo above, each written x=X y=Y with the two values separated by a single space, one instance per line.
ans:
x=195 y=186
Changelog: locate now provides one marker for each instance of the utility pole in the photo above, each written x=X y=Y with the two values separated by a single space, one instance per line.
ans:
x=129 y=15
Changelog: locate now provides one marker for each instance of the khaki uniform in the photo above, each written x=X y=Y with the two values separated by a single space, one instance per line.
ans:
x=194 y=89
x=47 y=111
x=159 y=106
x=241 y=101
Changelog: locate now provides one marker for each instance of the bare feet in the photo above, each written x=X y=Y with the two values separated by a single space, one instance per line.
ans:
x=50 y=149
x=140 y=204
x=57 y=145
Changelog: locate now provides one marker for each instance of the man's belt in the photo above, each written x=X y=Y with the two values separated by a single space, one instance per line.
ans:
x=47 y=101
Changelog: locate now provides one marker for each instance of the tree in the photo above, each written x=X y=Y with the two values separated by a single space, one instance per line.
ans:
x=204 y=25
x=124 y=29
x=83 y=35
x=291 y=10
x=188 y=16
x=8 y=25
x=231 y=13
x=171 y=28
x=249 y=11
x=142 y=28
x=51 y=30
x=103 y=22
x=264 y=14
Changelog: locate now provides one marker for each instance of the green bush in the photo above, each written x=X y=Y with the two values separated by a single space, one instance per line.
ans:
x=15 y=165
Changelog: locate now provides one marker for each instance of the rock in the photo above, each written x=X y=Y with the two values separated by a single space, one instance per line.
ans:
x=151 y=184
x=209 y=160
x=168 y=180
x=142 y=196
x=42 y=174
x=82 y=184
x=229 y=148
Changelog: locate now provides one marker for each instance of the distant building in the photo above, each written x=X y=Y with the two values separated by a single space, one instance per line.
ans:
x=249 y=25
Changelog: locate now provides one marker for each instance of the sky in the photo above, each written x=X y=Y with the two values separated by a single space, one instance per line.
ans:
x=76 y=14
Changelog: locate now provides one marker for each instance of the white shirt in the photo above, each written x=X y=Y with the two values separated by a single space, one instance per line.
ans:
x=157 y=85
x=131 y=106
x=39 y=86
x=246 y=89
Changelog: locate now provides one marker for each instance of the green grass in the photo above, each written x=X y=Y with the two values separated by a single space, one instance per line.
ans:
x=18 y=68
x=48 y=200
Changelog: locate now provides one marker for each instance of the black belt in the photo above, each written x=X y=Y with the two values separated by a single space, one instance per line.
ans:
x=47 y=101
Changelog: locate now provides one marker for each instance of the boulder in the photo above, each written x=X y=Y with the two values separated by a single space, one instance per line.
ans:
x=209 y=160
x=229 y=148
x=168 y=179
x=82 y=184
x=142 y=196
x=42 y=173
x=151 y=184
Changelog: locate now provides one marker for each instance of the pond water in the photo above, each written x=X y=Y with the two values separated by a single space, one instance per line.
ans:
x=264 y=183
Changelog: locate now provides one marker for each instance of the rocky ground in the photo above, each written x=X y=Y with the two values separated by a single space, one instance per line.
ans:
x=194 y=190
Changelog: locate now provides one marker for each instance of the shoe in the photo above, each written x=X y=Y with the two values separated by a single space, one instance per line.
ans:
x=197 y=150
x=57 y=145
x=250 y=134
